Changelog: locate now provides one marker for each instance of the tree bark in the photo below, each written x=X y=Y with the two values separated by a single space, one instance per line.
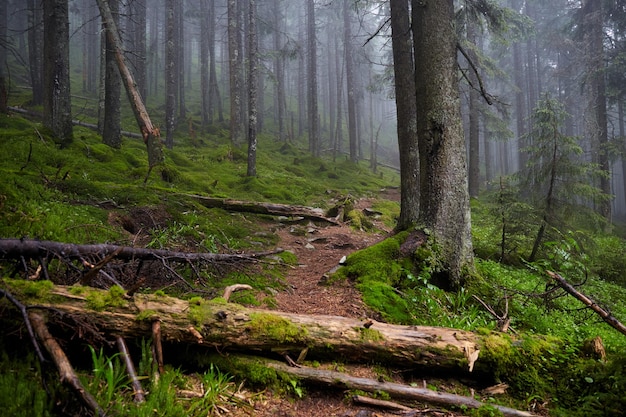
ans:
x=253 y=75
x=111 y=127
x=350 y=82
x=56 y=93
x=171 y=76
x=236 y=74
x=151 y=135
x=444 y=204
x=404 y=73
x=312 y=110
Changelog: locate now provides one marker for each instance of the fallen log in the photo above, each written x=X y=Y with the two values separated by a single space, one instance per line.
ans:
x=35 y=249
x=395 y=390
x=274 y=209
x=229 y=327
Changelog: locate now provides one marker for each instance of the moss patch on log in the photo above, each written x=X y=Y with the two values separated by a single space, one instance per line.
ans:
x=263 y=325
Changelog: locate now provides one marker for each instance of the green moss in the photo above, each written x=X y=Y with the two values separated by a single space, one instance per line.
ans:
x=37 y=291
x=269 y=326
x=100 y=300
x=370 y=335
x=147 y=315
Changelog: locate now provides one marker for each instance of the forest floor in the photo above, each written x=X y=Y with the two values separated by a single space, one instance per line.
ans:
x=319 y=250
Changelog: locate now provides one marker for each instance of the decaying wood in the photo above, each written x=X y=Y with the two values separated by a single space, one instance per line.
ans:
x=338 y=379
x=274 y=209
x=66 y=371
x=157 y=345
x=34 y=249
x=605 y=315
x=360 y=399
x=228 y=291
x=230 y=327
x=138 y=392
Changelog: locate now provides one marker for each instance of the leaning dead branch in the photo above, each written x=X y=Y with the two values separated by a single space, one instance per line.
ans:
x=604 y=314
x=66 y=371
x=130 y=368
x=29 y=327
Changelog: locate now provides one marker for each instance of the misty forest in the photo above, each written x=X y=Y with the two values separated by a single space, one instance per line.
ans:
x=313 y=207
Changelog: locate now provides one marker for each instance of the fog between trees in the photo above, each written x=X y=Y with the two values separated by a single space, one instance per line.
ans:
x=325 y=77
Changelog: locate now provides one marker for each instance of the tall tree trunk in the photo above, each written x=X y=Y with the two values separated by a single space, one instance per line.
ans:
x=214 y=91
x=111 y=128
x=279 y=69
x=236 y=74
x=204 y=61
x=179 y=45
x=474 y=115
x=339 y=70
x=253 y=62
x=404 y=76
x=35 y=50
x=171 y=69
x=57 y=106
x=444 y=204
x=3 y=58
x=312 y=110
x=138 y=19
x=595 y=90
x=350 y=82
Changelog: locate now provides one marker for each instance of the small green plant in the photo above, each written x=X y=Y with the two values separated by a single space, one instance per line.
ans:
x=109 y=376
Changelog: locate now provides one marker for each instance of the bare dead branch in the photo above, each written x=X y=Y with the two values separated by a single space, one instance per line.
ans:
x=66 y=372
x=130 y=368
x=605 y=315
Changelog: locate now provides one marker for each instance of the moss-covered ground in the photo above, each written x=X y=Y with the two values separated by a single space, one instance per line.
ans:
x=90 y=193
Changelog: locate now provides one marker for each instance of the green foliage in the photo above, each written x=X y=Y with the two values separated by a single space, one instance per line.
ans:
x=109 y=377
x=21 y=393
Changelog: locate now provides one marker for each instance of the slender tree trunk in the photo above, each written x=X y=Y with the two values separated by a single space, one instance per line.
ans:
x=253 y=61
x=236 y=74
x=350 y=82
x=3 y=58
x=111 y=128
x=444 y=204
x=404 y=76
x=312 y=110
x=138 y=14
x=179 y=42
x=474 y=116
x=279 y=68
x=204 y=61
x=171 y=76
x=56 y=99
x=214 y=91
x=35 y=50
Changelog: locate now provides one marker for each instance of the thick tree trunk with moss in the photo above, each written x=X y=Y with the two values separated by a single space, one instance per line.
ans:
x=444 y=203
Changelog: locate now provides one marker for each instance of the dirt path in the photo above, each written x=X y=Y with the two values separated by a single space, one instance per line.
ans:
x=319 y=250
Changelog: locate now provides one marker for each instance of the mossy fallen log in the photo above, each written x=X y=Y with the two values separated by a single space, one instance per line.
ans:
x=274 y=209
x=228 y=327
